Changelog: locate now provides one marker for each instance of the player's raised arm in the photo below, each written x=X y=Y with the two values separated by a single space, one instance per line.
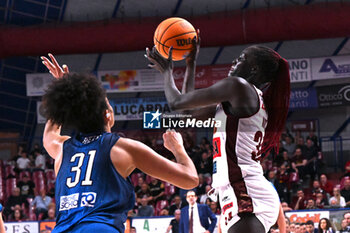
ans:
x=52 y=138
x=191 y=60
x=129 y=154
x=243 y=101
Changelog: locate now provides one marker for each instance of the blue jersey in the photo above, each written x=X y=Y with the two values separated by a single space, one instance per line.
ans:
x=88 y=187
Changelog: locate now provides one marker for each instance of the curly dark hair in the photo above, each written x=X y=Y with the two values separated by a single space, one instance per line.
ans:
x=76 y=101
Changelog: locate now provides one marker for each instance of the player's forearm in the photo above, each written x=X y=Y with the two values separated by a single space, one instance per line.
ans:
x=186 y=165
x=190 y=73
x=172 y=94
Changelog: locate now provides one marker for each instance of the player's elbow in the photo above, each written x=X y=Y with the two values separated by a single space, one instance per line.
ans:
x=175 y=104
x=192 y=182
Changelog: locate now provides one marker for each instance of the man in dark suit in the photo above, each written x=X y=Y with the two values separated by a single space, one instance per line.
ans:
x=195 y=217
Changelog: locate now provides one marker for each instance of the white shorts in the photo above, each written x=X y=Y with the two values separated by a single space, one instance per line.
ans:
x=264 y=198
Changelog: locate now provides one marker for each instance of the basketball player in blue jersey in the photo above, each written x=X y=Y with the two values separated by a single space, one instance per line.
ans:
x=93 y=192
x=252 y=105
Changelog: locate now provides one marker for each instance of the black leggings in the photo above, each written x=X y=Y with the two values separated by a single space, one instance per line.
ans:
x=248 y=223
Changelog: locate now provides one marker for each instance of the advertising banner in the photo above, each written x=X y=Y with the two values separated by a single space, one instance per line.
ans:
x=304 y=216
x=330 y=96
x=47 y=226
x=299 y=70
x=133 y=108
x=155 y=225
x=16 y=227
x=330 y=67
x=39 y=113
x=303 y=98
x=37 y=83
x=145 y=80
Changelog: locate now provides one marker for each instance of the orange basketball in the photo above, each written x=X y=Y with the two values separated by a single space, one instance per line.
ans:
x=176 y=32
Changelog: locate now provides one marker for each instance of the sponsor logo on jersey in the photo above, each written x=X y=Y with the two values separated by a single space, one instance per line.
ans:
x=151 y=120
x=88 y=199
x=226 y=207
x=69 y=202
x=214 y=167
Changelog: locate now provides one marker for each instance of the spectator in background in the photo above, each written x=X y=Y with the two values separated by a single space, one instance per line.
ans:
x=310 y=227
x=345 y=192
x=303 y=228
x=326 y=185
x=297 y=228
x=157 y=190
x=321 y=201
x=40 y=161
x=301 y=144
x=143 y=192
x=316 y=188
x=271 y=176
x=145 y=210
x=176 y=206
x=292 y=227
x=13 y=200
x=214 y=208
x=347 y=218
x=325 y=226
x=205 y=165
x=23 y=162
x=310 y=204
x=301 y=201
x=200 y=189
x=343 y=226
x=41 y=203
x=298 y=163
x=314 y=138
x=205 y=196
x=164 y=212
x=132 y=230
x=311 y=155
x=27 y=187
x=347 y=169
x=140 y=181
x=285 y=207
x=174 y=223
x=17 y=215
x=289 y=145
x=337 y=200
x=51 y=212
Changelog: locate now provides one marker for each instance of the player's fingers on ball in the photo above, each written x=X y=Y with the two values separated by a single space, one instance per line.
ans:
x=170 y=57
x=65 y=68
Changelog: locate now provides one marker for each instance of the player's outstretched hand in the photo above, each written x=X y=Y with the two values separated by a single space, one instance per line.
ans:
x=173 y=140
x=192 y=56
x=158 y=62
x=54 y=68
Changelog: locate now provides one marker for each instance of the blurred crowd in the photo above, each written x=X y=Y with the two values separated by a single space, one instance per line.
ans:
x=297 y=171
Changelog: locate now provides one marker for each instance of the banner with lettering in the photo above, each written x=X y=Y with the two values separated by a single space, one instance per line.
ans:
x=299 y=70
x=133 y=108
x=331 y=96
x=17 y=227
x=304 y=216
x=330 y=67
x=303 y=98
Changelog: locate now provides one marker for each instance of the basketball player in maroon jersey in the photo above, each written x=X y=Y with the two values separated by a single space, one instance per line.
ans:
x=252 y=105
